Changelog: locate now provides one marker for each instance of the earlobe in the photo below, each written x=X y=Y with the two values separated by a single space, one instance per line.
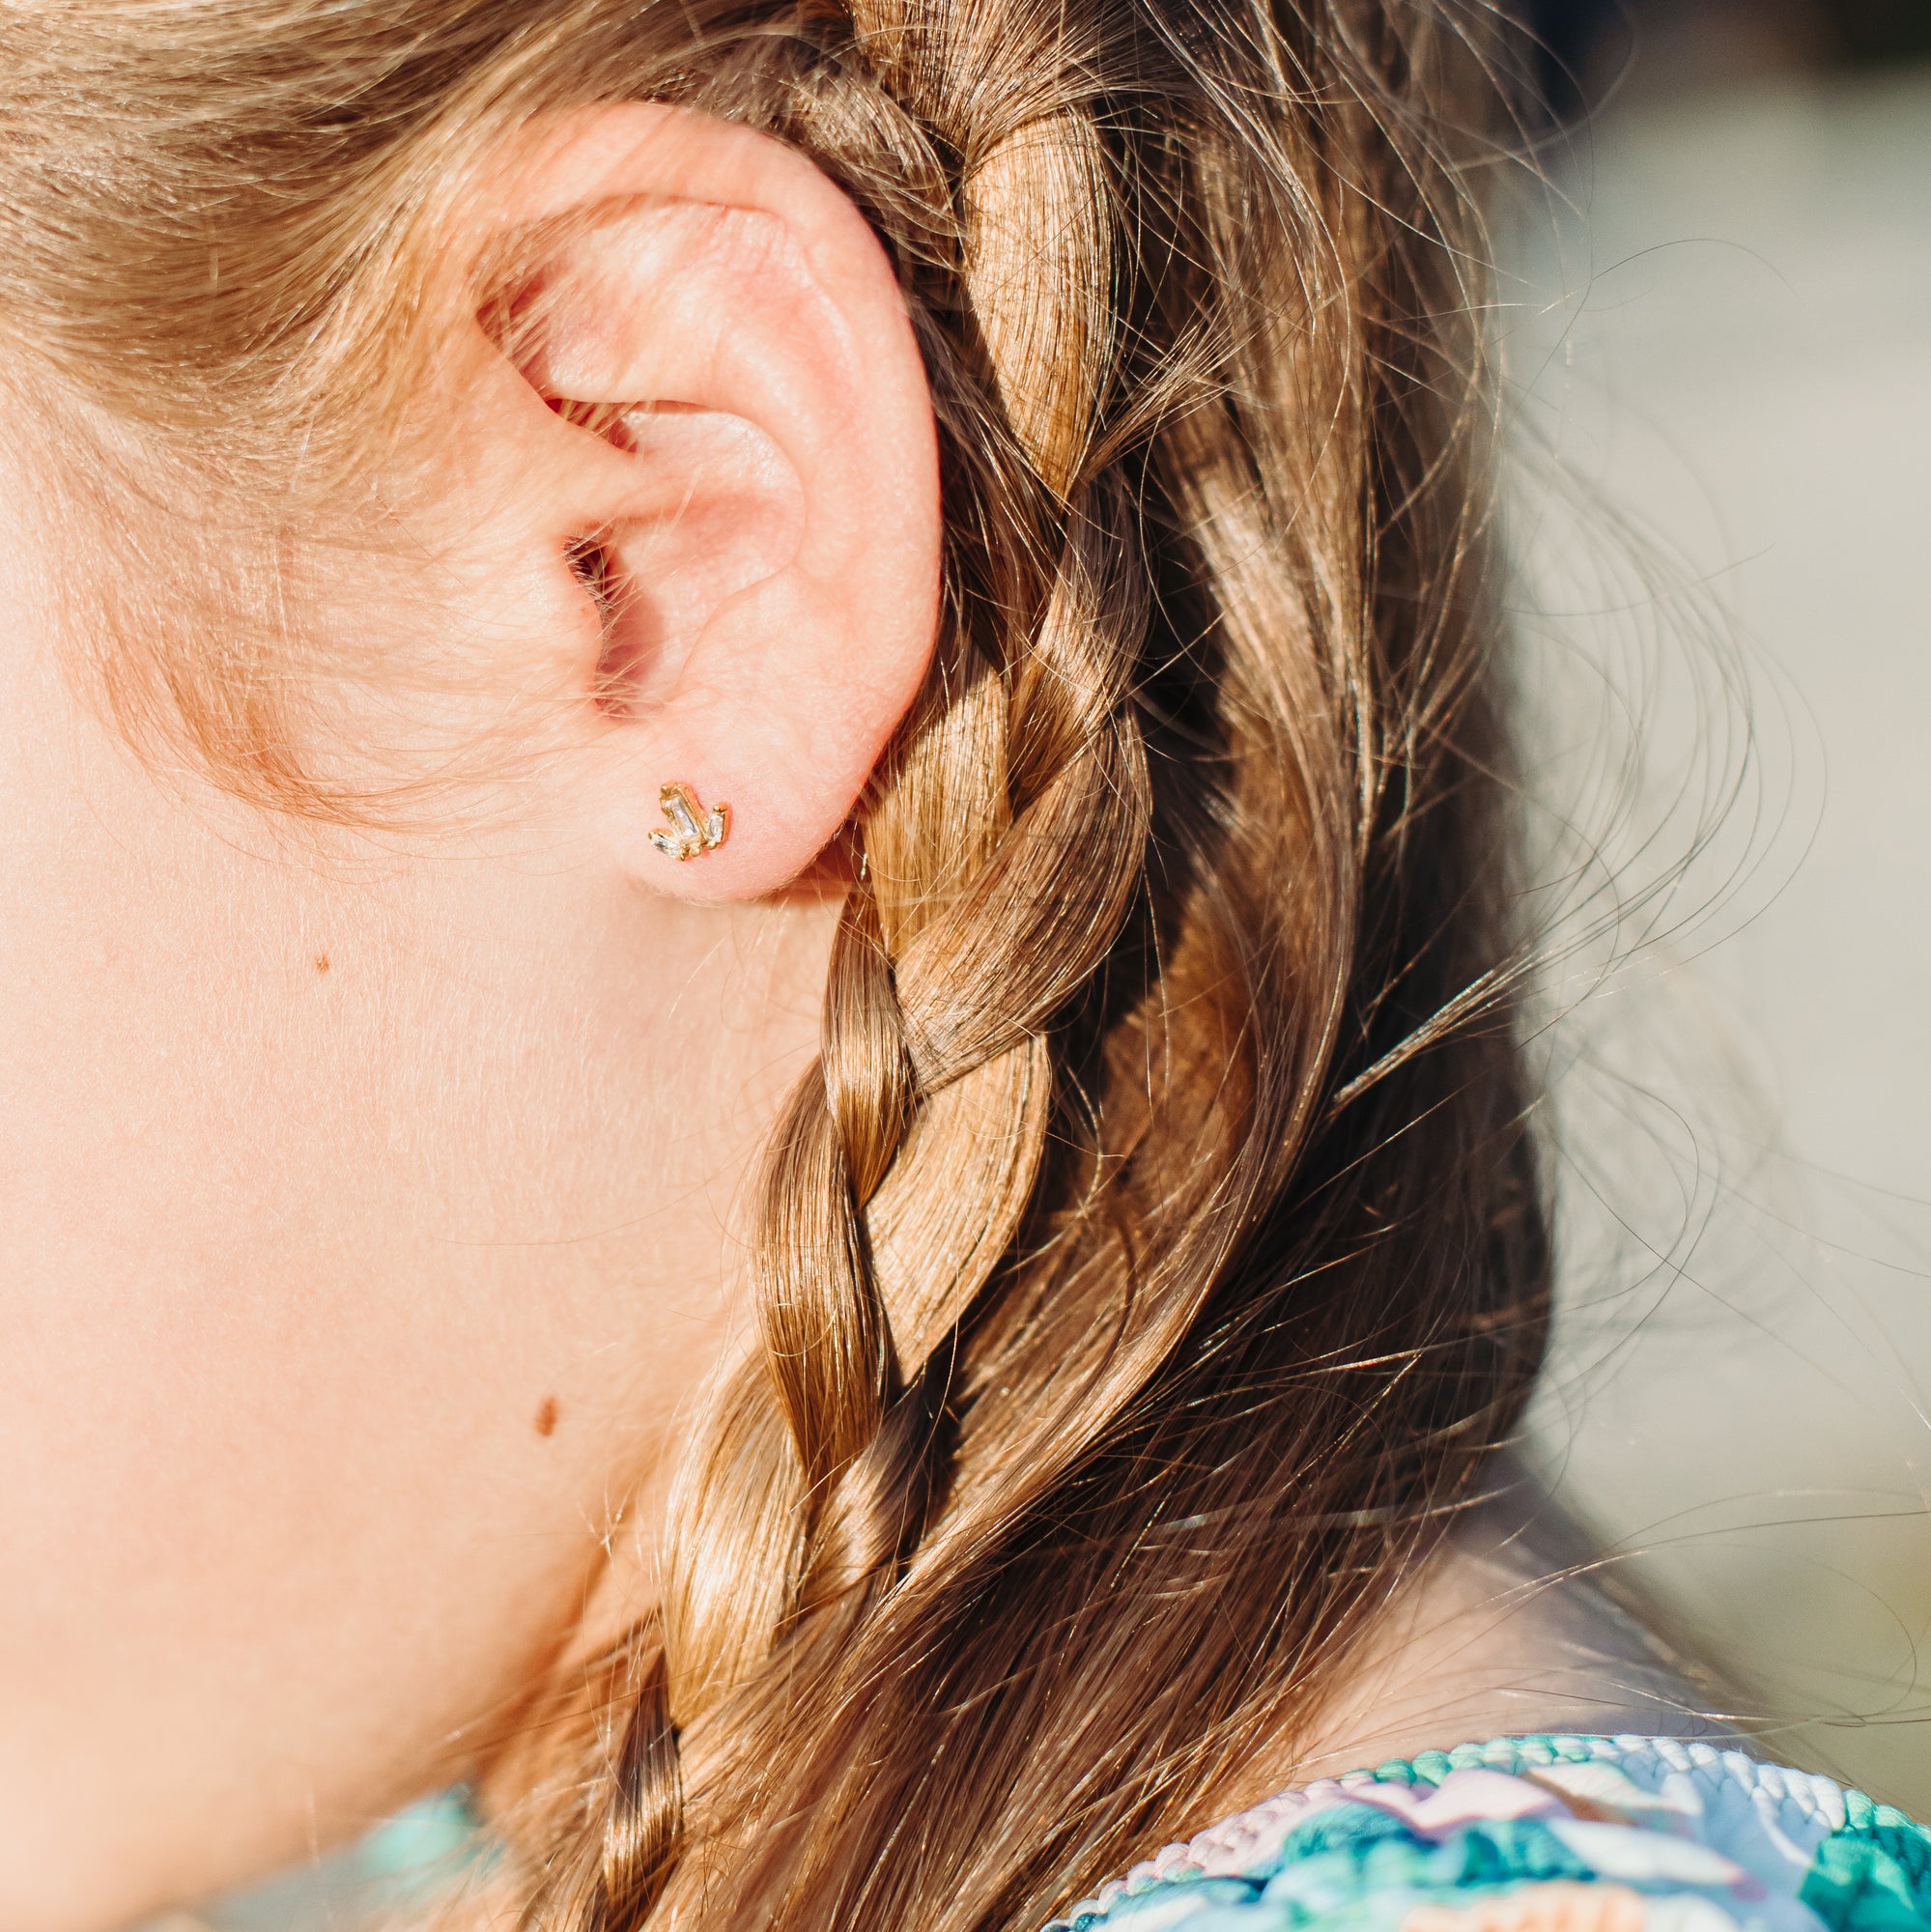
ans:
x=752 y=501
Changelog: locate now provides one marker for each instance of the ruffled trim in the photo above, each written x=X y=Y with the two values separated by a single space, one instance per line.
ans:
x=1549 y=1834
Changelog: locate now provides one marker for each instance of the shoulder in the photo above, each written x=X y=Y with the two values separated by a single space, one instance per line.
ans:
x=1541 y=1834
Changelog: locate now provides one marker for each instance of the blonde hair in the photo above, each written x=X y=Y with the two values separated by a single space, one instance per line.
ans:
x=1155 y=1253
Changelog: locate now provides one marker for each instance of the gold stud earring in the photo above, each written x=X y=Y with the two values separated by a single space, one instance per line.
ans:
x=693 y=828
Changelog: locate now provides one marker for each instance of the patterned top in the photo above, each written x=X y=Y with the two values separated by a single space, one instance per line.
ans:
x=1541 y=1834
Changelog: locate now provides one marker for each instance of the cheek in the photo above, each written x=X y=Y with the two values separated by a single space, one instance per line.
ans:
x=309 y=1397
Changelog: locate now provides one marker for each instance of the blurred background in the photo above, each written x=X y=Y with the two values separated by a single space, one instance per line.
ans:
x=1717 y=329
x=1716 y=326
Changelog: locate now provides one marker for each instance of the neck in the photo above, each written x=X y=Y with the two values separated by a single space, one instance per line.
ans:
x=1512 y=1626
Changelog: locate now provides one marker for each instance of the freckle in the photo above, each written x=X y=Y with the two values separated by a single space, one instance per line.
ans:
x=322 y=962
x=546 y=1416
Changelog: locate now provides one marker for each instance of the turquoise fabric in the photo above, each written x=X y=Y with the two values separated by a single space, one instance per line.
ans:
x=1541 y=1834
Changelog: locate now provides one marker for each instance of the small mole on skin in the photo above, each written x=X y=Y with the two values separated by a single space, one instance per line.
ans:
x=546 y=1416
x=322 y=962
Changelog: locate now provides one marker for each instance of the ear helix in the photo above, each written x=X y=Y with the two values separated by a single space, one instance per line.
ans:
x=693 y=831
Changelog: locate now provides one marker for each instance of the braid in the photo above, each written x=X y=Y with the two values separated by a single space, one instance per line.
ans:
x=907 y=1157
x=645 y=1806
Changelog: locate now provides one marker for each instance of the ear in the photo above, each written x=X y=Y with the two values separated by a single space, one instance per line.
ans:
x=720 y=405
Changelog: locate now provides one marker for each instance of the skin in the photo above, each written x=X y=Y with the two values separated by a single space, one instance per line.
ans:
x=374 y=1197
